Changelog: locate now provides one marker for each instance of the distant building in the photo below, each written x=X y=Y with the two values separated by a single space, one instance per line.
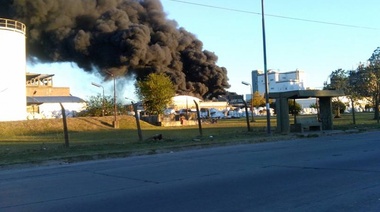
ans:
x=187 y=102
x=43 y=99
x=183 y=102
x=277 y=81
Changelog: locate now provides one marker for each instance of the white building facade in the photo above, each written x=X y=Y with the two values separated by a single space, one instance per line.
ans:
x=277 y=81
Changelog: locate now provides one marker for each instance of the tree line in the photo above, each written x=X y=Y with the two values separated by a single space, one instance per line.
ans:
x=157 y=90
x=155 y=93
x=362 y=82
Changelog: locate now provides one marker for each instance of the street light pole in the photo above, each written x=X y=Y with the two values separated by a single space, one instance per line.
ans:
x=100 y=86
x=265 y=69
x=250 y=86
x=115 y=122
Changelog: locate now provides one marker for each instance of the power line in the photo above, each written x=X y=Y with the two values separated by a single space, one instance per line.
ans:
x=276 y=16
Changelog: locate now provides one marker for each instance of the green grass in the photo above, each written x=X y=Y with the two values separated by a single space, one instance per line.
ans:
x=38 y=141
x=364 y=121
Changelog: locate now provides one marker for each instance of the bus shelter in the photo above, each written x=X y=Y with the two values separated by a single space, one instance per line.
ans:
x=325 y=106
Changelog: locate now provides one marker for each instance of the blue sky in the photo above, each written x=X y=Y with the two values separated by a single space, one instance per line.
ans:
x=339 y=34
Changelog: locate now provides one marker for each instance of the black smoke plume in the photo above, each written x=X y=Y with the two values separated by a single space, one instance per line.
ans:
x=125 y=37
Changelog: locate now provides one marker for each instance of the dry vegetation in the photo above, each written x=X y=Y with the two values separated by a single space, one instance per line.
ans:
x=40 y=141
x=48 y=126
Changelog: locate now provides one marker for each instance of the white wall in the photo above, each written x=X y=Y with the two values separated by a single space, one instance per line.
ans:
x=12 y=71
x=53 y=110
x=280 y=82
x=184 y=101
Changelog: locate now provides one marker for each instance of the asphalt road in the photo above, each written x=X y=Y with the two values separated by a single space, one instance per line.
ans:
x=329 y=173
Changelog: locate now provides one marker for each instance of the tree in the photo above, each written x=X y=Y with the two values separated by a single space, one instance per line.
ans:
x=95 y=106
x=354 y=88
x=338 y=81
x=374 y=69
x=313 y=105
x=156 y=92
x=258 y=100
x=294 y=107
x=375 y=57
x=339 y=106
x=367 y=80
x=352 y=84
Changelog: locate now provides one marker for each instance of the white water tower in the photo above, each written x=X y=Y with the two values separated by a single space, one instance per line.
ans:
x=12 y=70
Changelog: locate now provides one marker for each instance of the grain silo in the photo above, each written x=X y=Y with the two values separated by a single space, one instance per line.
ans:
x=12 y=70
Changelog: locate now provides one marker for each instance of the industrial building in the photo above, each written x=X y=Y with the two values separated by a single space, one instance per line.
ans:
x=278 y=81
x=26 y=95
x=43 y=99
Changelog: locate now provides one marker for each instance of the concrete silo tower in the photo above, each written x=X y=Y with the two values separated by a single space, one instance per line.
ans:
x=12 y=70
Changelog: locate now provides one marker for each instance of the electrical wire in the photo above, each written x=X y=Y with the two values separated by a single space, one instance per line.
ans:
x=276 y=16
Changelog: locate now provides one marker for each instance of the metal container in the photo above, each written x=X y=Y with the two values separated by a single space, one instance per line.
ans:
x=12 y=70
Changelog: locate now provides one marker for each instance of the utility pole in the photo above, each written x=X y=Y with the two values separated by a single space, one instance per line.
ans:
x=115 y=122
x=100 y=86
x=250 y=86
x=265 y=69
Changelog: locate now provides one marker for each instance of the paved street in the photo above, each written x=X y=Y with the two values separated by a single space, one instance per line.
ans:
x=329 y=173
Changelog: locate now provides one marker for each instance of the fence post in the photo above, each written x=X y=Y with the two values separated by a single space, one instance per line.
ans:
x=246 y=115
x=137 y=121
x=199 y=118
x=65 y=130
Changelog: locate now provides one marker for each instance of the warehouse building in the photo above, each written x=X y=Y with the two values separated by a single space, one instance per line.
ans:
x=43 y=99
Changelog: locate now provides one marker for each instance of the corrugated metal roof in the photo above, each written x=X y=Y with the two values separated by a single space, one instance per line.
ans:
x=30 y=76
x=52 y=99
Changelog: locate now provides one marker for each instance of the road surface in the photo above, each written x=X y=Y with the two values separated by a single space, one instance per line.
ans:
x=328 y=173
